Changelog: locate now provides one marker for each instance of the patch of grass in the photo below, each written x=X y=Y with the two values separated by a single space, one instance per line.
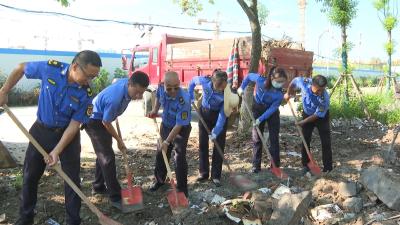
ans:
x=382 y=107
x=18 y=180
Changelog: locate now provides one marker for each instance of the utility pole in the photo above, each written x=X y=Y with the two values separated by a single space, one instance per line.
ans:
x=216 y=22
x=302 y=26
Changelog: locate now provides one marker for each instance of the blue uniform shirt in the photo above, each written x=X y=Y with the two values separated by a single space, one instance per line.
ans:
x=211 y=100
x=59 y=101
x=112 y=101
x=272 y=98
x=312 y=104
x=176 y=111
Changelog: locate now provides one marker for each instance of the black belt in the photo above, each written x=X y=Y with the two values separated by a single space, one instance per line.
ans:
x=53 y=129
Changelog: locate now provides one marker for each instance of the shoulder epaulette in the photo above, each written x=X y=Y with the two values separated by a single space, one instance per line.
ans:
x=54 y=63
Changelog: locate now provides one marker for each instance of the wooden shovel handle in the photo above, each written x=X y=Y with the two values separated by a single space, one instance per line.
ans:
x=57 y=167
x=300 y=132
x=219 y=149
x=165 y=158
x=259 y=134
x=123 y=151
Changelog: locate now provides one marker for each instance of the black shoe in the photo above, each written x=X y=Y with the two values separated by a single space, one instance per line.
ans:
x=255 y=170
x=117 y=204
x=305 y=170
x=21 y=221
x=217 y=182
x=202 y=179
x=326 y=170
x=155 y=186
x=101 y=191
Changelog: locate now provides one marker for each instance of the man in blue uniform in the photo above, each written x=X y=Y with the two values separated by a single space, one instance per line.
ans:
x=175 y=130
x=315 y=114
x=212 y=111
x=64 y=103
x=107 y=106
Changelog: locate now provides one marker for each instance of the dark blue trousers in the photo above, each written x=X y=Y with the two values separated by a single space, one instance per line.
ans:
x=324 y=130
x=273 y=128
x=210 y=117
x=34 y=167
x=179 y=145
x=106 y=175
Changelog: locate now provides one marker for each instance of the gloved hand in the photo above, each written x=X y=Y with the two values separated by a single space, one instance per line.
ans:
x=256 y=123
x=240 y=91
x=212 y=136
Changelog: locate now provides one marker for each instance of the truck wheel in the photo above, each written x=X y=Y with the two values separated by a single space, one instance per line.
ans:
x=147 y=102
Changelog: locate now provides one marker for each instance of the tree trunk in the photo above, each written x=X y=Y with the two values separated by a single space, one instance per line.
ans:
x=245 y=122
x=344 y=63
x=388 y=84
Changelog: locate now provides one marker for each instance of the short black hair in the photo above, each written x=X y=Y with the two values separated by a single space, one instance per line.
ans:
x=319 y=81
x=140 y=78
x=220 y=75
x=87 y=57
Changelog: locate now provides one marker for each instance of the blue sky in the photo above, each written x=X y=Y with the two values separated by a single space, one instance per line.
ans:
x=32 y=30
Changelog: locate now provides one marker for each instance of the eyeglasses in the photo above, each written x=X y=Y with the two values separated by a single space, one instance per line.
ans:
x=87 y=75
x=172 y=89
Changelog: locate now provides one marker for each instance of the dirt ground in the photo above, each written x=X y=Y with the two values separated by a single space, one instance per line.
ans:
x=355 y=144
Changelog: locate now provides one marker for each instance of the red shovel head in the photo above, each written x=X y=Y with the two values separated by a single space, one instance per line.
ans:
x=314 y=168
x=177 y=200
x=132 y=197
x=278 y=172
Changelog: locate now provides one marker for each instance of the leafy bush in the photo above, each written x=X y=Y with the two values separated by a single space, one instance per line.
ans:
x=18 y=97
x=119 y=73
x=101 y=81
x=382 y=107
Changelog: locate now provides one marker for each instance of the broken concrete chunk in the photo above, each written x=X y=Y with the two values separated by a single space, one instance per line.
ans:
x=325 y=212
x=290 y=209
x=251 y=221
x=280 y=191
x=348 y=189
x=385 y=185
x=353 y=204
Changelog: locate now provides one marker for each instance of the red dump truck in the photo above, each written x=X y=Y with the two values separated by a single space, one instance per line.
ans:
x=190 y=56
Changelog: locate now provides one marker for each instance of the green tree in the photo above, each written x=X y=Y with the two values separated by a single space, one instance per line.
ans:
x=101 y=81
x=340 y=13
x=119 y=73
x=387 y=13
x=256 y=14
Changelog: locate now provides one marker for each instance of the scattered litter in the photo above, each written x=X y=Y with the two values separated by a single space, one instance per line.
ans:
x=217 y=200
x=51 y=222
x=231 y=217
x=151 y=223
x=3 y=218
x=265 y=190
x=325 y=212
x=295 y=154
x=280 y=191
x=161 y=205
x=208 y=195
x=377 y=216
x=349 y=216
x=251 y=222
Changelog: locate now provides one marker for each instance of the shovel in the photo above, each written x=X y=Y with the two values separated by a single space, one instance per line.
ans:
x=132 y=197
x=274 y=169
x=312 y=165
x=177 y=200
x=238 y=180
x=103 y=220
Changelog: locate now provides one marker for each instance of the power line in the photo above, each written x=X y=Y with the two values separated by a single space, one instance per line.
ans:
x=138 y=24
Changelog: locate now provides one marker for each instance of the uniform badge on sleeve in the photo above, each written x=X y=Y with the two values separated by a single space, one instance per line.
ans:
x=184 y=115
x=89 y=110
x=54 y=63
